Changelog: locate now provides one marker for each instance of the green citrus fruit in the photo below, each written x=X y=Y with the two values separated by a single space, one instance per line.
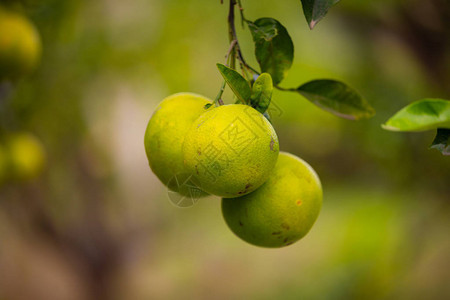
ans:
x=165 y=135
x=20 y=45
x=231 y=150
x=282 y=210
x=26 y=156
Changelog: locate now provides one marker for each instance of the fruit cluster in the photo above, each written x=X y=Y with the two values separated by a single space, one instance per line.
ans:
x=269 y=199
x=22 y=156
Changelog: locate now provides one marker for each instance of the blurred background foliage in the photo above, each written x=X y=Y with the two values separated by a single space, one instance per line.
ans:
x=97 y=224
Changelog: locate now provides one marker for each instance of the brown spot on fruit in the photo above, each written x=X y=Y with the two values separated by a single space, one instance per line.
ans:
x=285 y=226
x=290 y=243
x=245 y=189
x=285 y=240
x=240 y=223
x=199 y=151
x=272 y=142
x=276 y=232
x=196 y=169
x=299 y=202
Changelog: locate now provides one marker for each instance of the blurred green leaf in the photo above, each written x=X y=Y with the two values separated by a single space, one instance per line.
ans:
x=274 y=49
x=337 y=98
x=262 y=92
x=442 y=141
x=240 y=86
x=421 y=115
x=315 y=10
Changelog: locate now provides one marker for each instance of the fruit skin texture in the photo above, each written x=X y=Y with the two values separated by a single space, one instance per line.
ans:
x=280 y=212
x=20 y=45
x=165 y=135
x=231 y=150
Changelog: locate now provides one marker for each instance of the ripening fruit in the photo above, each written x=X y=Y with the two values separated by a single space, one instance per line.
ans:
x=20 y=45
x=26 y=156
x=231 y=150
x=282 y=210
x=165 y=135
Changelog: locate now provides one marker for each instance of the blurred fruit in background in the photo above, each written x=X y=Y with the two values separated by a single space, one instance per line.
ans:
x=20 y=45
x=22 y=158
x=3 y=164
x=26 y=156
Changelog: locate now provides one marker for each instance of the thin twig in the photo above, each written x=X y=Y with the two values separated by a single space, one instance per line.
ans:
x=250 y=68
x=230 y=57
x=241 y=9
x=232 y=33
x=285 y=89
x=232 y=45
x=218 y=101
x=234 y=52
x=236 y=47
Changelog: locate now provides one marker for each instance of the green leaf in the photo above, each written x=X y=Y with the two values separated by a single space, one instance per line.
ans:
x=274 y=49
x=262 y=92
x=421 y=115
x=337 y=98
x=315 y=10
x=240 y=86
x=442 y=141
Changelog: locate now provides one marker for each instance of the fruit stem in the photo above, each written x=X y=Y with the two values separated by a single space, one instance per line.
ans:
x=232 y=34
x=285 y=89
x=235 y=49
x=232 y=45
x=218 y=101
x=241 y=9
x=230 y=58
